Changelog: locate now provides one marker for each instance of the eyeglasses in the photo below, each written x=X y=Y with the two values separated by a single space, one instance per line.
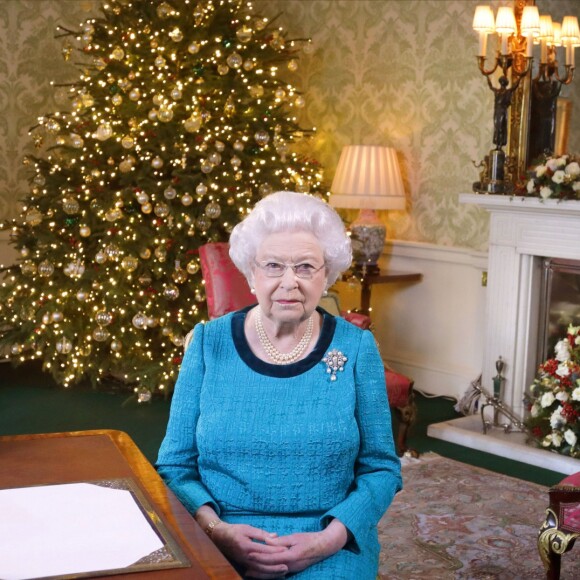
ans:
x=305 y=270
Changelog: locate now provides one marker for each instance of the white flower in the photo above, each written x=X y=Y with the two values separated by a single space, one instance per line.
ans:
x=573 y=329
x=556 y=420
x=558 y=176
x=547 y=399
x=561 y=161
x=570 y=437
x=547 y=441
x=562 y=350
x=562 y=396
x=545 y=192
x=540 y=170
x=530 y=186
x=563 y=370
x=552 y=164
x=556 y=439
x=573 y=169
x=576 y=394
x=576 y=186
x=535 y=410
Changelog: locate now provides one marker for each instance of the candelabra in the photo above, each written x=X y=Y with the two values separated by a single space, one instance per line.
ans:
x=513 y=63
x=494 y=177
x=547 y=84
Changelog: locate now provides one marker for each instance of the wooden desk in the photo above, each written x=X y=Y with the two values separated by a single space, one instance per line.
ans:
x=91 y=455
x=389 y=277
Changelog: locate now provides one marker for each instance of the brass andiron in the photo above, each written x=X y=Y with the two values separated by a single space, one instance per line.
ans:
x=513 y=424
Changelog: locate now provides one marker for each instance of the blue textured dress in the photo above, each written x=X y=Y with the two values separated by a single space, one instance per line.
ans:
x=283 y=447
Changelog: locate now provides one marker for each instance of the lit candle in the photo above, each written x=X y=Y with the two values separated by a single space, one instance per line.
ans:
x=544 y=51
x=546 y=35
x=483 y=22
x=505 y=24
x=482 y=43
x=529 y=45
x=504 y=42
x=570 y=36
x=530 y=27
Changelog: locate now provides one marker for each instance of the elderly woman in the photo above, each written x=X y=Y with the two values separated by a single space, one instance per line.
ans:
x=279 y=439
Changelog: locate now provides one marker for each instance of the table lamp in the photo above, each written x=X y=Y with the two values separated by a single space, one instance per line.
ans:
x=368 y=178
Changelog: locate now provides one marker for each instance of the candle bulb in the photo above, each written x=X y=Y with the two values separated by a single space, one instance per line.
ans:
x=530 y=27
x=543 y=51
x=570 y=36
x=529 y=46
x=505 y=24
x=483 y=22
x=504 y=42
x=546 y=35
x=482 y=43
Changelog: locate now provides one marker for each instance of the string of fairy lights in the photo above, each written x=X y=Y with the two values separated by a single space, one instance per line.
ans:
x=182 y=117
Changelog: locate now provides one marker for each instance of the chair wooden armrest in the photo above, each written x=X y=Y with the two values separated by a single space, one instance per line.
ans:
x=561 y=528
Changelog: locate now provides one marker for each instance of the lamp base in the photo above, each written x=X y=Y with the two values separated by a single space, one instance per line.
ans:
x=367 y=234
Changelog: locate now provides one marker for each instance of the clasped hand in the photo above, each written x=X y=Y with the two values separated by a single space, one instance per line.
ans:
x=267 y=555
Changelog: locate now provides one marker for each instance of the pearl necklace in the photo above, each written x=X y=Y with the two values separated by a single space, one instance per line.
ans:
x=277 y=357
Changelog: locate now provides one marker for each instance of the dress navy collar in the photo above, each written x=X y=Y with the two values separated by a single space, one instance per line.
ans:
x=282 y=371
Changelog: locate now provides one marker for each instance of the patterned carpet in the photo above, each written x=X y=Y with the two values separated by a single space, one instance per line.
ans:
x=457 y=521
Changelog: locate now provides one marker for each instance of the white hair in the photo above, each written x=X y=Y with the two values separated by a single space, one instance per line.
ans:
x=288 y=211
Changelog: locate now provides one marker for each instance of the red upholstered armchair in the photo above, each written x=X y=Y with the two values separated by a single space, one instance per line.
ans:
x=562 y=525
x=227 y=290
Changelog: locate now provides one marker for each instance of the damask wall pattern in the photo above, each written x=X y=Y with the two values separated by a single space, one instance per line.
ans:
x=391 y=72
x=30 y=59
x=404 y=74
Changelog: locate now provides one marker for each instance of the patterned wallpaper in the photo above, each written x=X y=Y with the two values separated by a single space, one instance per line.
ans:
x=391 y=72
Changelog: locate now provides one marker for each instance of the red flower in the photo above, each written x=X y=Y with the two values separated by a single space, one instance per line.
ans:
x=550 y=366
x=569 y=413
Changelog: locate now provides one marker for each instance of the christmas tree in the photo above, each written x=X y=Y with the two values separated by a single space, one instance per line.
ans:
x=183 y=116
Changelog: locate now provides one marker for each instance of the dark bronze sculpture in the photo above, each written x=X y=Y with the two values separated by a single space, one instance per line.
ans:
x=503 y=100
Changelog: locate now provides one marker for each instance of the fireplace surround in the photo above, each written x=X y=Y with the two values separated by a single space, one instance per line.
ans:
x=523 y=232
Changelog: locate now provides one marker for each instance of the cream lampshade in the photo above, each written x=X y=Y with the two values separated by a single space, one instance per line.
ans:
x=367 y=178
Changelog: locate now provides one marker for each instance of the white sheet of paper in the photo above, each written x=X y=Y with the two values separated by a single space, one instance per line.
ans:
x=70 y=528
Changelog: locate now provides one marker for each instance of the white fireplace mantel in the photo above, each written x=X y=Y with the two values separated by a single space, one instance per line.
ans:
x=521 y=231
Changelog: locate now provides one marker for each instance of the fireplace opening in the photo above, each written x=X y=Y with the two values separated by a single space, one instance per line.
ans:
x=559 y=303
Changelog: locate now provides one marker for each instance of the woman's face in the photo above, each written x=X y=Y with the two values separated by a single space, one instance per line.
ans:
x=289 y=298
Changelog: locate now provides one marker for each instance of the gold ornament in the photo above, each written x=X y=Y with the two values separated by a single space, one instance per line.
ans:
x=103 y=132
x=118 y=53
x=129 y=263
x=127 y=142
x=33 y=217
x=192 y=267
x=244 y=34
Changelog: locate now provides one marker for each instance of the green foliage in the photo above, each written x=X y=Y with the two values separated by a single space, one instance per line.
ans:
x=182 y=117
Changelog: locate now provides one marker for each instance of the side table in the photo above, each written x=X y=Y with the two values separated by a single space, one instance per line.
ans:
x=381 y=277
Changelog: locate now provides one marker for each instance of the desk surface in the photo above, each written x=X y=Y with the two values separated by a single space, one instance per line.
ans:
x=54 y=458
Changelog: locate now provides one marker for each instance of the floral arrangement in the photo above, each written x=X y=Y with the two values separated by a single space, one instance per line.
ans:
x=554 y=178
x=554 y=419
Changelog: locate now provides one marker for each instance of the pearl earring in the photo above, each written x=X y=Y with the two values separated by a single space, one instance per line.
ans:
x=252 y=290
x=325 y=293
